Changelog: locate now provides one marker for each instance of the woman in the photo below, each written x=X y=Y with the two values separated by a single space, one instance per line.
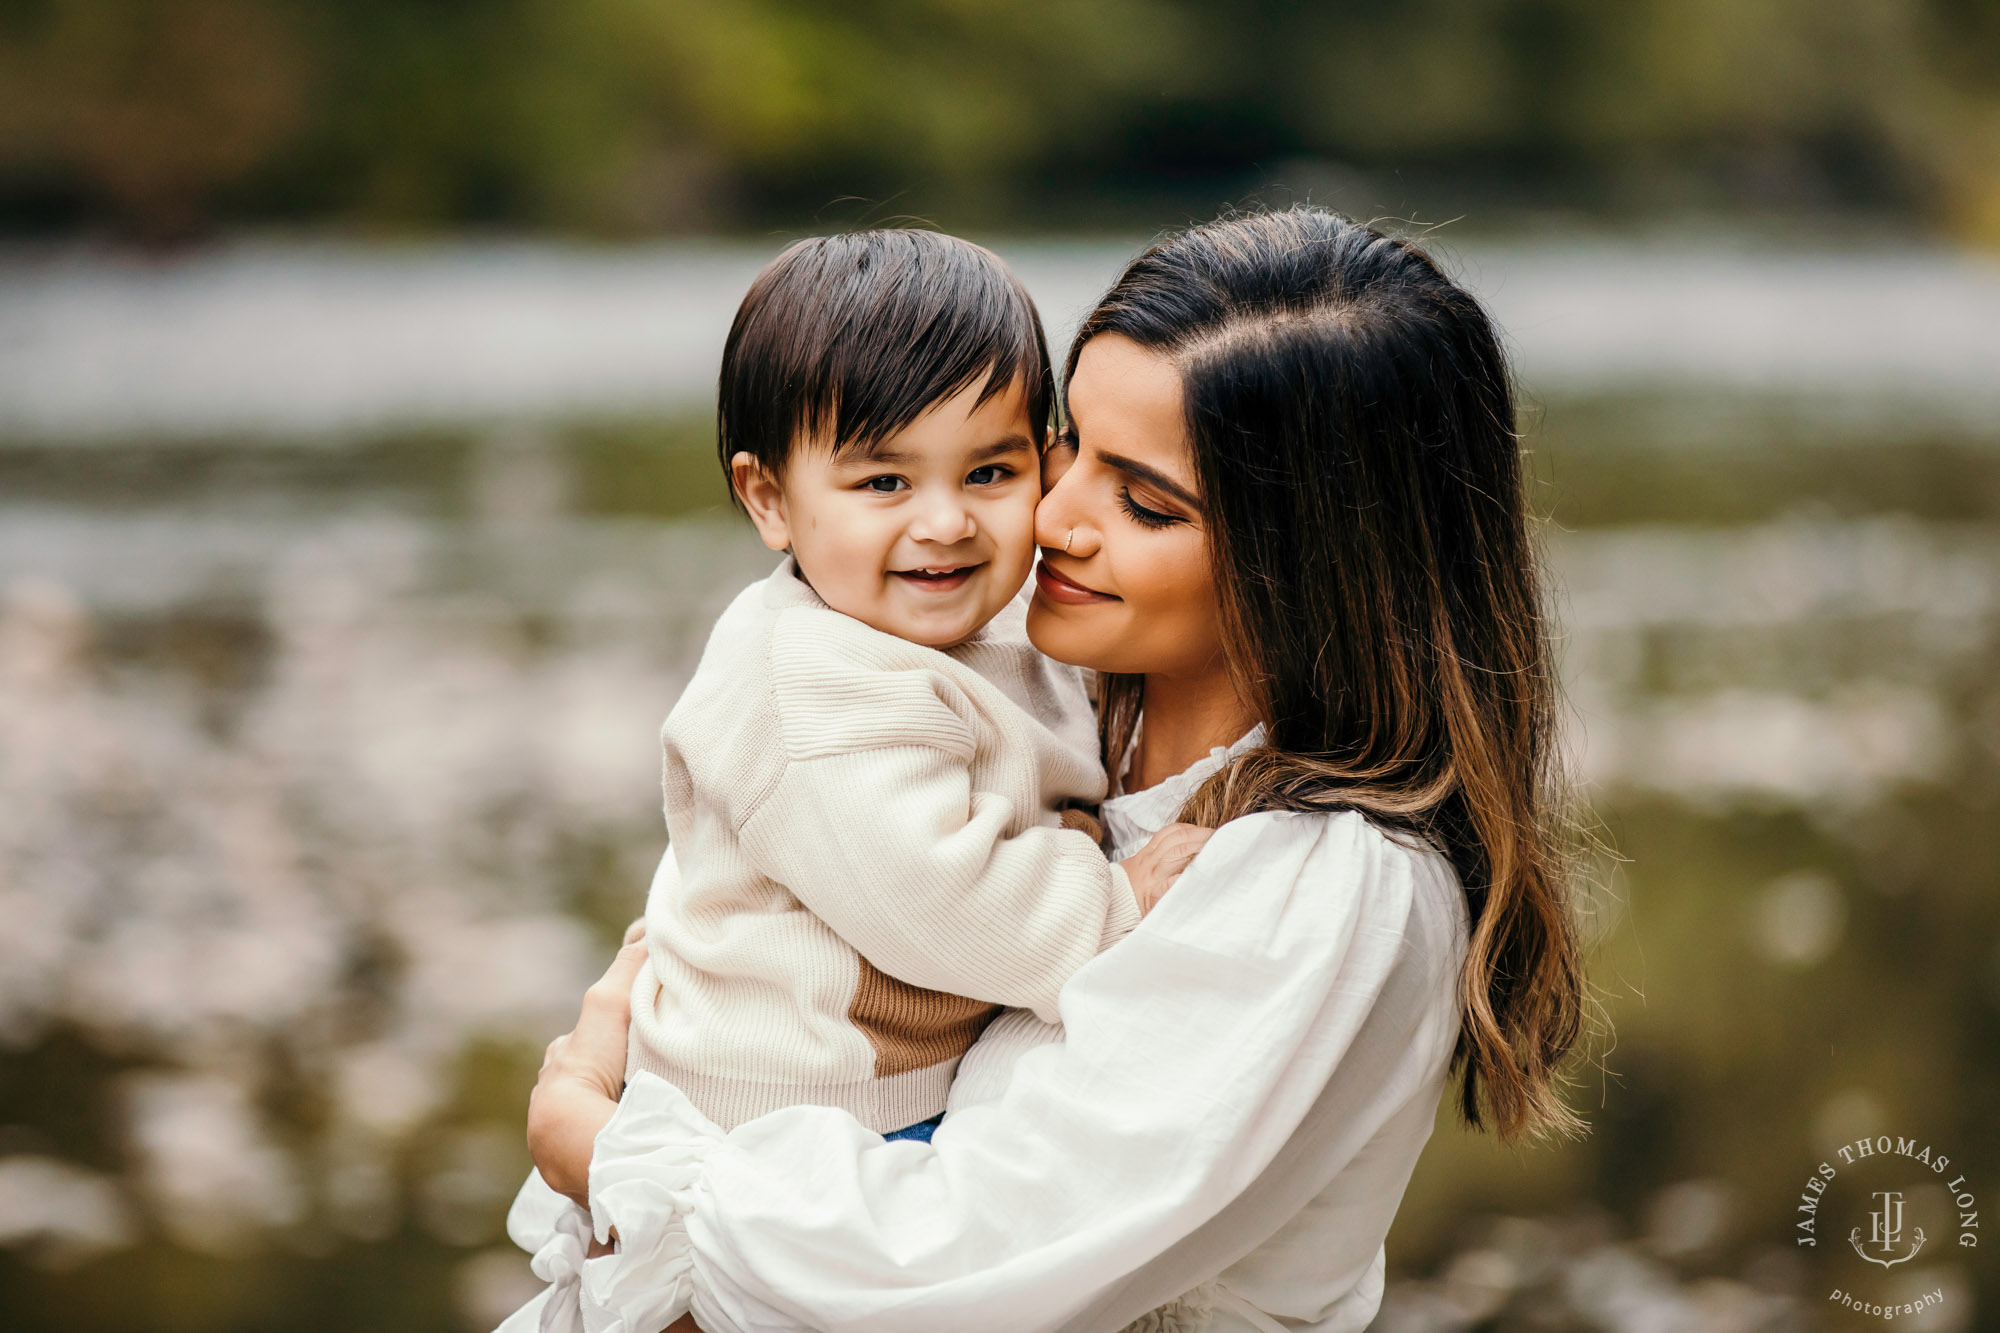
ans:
x=1287 y=528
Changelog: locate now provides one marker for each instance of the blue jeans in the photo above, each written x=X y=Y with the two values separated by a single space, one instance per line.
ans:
x=920 y=1132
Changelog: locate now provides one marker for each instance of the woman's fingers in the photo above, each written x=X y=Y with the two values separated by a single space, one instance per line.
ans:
x=636 y=931
x=610 y=996
x=612 y=992
x=595 y=1049
x=583 y=1073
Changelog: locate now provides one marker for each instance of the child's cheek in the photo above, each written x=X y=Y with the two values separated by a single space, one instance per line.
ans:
x=1020 y=538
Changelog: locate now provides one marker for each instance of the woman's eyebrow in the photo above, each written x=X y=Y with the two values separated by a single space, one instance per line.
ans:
x=1152 y=477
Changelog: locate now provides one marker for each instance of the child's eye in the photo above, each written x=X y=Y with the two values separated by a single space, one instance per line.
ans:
x=1149 y=518
x=885 y=485
x=986 y=476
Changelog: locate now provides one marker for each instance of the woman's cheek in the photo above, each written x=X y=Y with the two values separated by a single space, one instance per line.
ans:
x=1180 y=603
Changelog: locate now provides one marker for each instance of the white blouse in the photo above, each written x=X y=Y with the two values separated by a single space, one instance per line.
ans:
x=1219 y=1139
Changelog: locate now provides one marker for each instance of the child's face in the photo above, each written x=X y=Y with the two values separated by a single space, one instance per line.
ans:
x=928 y=534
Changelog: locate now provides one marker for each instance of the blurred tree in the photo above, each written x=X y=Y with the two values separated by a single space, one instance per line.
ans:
x=145 y=107
x=649 y=115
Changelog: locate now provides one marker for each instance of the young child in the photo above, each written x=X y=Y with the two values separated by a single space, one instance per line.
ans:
x=873 y=782
x=865 y=780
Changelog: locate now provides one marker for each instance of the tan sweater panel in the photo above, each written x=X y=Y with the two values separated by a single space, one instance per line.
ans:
x=868 y=860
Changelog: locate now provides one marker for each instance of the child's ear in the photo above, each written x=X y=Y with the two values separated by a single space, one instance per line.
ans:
x=763 y=498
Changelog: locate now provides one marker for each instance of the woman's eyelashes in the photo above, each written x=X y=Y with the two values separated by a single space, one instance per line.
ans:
x=1143 y=515
x=1140 y=514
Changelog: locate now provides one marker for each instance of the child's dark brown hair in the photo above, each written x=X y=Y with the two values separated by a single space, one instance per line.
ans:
x=848 y=339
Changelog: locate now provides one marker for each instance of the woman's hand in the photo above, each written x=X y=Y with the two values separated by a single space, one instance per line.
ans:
x=1154 y=867
x=582 y=1075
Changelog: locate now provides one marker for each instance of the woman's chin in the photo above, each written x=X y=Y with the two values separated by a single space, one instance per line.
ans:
x=1081 y=636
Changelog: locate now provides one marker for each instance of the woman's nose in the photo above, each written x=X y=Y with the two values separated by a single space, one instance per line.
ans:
x=1060 y=523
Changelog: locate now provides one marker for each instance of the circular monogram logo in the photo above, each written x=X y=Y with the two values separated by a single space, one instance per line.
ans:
x=1881 y=1203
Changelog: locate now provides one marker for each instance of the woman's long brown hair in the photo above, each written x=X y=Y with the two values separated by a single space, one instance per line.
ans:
x=1353 y=428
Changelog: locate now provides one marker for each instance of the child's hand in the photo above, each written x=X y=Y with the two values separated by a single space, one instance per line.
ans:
x=1154 y=867
x=1082 y=821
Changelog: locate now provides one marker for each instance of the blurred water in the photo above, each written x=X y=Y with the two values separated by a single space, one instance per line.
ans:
x=283 y=339
x=328 y=767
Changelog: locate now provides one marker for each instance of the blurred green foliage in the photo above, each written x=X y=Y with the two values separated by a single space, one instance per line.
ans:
x=162 y=118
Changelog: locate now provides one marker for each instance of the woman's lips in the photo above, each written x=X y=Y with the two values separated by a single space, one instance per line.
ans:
x=1055 y=586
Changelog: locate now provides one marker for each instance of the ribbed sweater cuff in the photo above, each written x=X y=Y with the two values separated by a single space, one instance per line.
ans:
x=1122 y=913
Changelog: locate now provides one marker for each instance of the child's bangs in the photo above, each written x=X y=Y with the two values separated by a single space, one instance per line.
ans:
x=931 y=332
x=845 y=340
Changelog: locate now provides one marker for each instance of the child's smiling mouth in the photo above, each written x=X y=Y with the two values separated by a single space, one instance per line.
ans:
x=938 y=578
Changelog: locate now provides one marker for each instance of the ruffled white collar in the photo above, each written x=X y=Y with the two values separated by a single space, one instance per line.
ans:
x=1131 y=818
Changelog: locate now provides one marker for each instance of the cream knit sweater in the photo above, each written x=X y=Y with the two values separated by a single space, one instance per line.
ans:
x=867 y=860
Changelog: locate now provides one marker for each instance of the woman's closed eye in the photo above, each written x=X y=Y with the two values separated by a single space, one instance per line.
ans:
x=1144 y=516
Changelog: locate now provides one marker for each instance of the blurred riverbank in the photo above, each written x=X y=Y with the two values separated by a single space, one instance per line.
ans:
x=299 y=340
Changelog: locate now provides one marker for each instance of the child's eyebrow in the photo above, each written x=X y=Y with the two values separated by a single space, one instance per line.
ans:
x=1012 y=444
x=875 y=453
x=999 y=448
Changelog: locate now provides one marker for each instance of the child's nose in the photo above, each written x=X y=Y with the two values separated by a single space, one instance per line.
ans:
x=943 y=519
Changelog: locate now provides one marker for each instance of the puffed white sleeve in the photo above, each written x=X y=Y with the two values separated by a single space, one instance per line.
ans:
x=1195 y=1050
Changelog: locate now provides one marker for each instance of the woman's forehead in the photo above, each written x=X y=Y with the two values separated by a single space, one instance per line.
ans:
x=1127 y=399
